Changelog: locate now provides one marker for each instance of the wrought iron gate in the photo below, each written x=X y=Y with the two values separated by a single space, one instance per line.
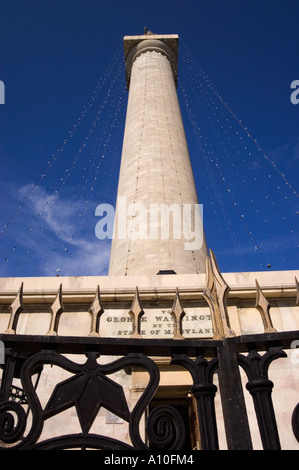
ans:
x=89 y=388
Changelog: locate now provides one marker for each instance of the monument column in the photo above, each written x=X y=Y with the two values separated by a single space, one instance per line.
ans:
x=158 y=225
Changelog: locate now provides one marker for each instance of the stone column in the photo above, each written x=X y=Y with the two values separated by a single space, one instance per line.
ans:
x=155 y=170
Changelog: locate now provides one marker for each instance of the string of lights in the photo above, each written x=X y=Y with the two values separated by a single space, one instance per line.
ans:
x=56 y=211
x=240 y=173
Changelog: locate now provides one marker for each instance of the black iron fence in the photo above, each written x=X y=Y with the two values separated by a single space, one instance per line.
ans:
x=89 y=388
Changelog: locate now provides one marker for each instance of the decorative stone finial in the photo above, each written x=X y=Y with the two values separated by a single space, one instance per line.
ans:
x=136 y=313
x=263 y=307
x=96 y=310
x=56 y=310
x=215 y=294
x=16 y=308
x=177 y=313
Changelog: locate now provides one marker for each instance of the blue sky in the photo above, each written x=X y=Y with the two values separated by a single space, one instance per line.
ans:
x=62 y=122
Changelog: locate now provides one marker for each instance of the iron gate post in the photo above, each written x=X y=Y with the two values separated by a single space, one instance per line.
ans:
x=260 y=387
x=233 y=404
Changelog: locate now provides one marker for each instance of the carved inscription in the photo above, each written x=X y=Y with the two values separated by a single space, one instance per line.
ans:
x=158 y=323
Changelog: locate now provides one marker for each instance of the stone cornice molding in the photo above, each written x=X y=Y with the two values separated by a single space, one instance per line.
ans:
x=81 y=295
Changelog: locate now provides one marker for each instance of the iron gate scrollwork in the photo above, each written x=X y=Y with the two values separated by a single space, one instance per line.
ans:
x=88 y=389
x=91 y=386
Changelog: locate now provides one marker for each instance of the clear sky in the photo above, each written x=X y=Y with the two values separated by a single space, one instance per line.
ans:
x=61 y=62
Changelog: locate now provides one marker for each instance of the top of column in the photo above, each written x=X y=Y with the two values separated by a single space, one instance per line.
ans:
x=166 y=44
